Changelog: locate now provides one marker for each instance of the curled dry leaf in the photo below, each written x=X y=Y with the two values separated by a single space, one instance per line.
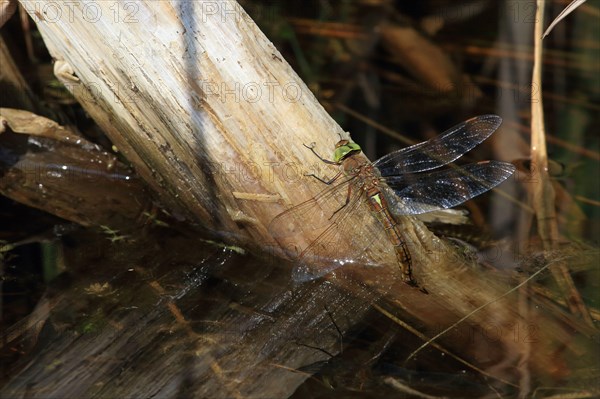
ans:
x=568 y=9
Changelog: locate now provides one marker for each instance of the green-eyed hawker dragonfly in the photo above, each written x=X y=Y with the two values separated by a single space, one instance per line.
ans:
x=403 y=182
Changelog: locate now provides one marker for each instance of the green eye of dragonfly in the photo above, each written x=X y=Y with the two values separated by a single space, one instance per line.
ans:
x=343 y=151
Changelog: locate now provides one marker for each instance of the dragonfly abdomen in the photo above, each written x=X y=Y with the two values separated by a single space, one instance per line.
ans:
x=380 y=207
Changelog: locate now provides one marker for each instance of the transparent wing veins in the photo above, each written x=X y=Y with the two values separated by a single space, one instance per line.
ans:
x=422 y=193
x=440 y=150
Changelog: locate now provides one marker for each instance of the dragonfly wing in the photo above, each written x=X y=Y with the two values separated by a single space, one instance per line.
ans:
x=440 y=150
x=318 y=252
x=421 y=193
x=324 y=230
x=310 y=215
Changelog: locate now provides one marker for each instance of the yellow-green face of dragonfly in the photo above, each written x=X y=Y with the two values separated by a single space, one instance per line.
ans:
x=345 y=148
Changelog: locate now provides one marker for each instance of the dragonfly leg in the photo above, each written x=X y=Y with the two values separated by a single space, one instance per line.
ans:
x=345 y=203
x=312 y=148
x=328 y=182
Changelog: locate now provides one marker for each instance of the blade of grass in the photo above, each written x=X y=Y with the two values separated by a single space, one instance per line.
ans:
x=543 y=191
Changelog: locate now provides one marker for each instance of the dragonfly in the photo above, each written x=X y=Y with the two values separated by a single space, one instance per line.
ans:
x=403 y=182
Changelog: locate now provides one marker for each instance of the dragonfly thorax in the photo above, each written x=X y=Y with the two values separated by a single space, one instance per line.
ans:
x=344 y=149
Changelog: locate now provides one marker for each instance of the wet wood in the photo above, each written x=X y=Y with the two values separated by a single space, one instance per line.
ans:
x=49 y=167
x=147 y=320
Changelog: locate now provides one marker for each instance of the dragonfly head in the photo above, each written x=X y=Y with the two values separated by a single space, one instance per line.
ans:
x=344 y=149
